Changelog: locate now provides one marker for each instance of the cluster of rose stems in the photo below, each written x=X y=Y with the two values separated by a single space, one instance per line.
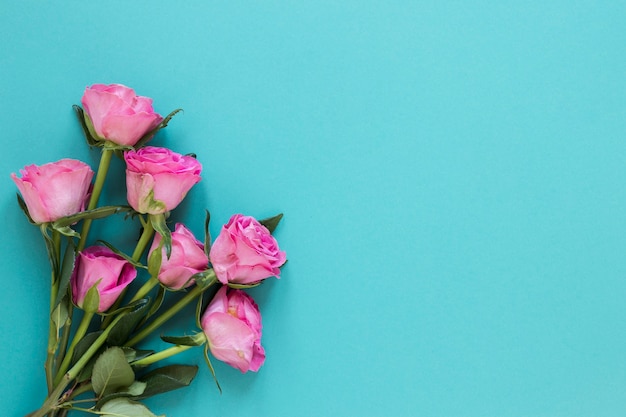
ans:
x=58 y=380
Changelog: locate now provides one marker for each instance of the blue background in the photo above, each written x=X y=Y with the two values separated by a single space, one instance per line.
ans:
x=452 y=177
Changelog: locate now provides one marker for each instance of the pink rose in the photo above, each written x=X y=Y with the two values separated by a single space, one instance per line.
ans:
x=187 y=258
x=54 y=190
x=232 y=325
x=99 y=263
x=158 y=179
x=245 y=252
x=119 y=115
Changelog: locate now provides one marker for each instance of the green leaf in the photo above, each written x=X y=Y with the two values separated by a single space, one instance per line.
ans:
x=159 y=225
x=167 y=378
x=111 y=371
x=65 y=230
x=134 y=390
x=156 y=304
x=24 y=208
x=123 y=407
x=271 y=222
x=67 y=267
x=81 y=347
x=97 y=213
x=135 y=354
x=207 y=234
x=91 y=141
x=121 y=331
x=205 y=279
x=197 y=339
x=60 y=316
x=145 y=138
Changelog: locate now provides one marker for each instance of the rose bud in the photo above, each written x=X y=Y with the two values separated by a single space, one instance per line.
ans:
x=117 y=114
x=157 y=179
x=245 y=252
x=100 y=265
x=54 y=190
x=186 y=259
x=232 y=325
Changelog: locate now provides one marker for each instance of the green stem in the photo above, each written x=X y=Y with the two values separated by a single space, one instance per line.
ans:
x=144 y=240
x=142 y=244
x=52 y=402
x=160 y=320
x=53 y=337
x=80 y=333
x=164 y=354
x=65 y=337
x=145 y=289
x=103 y=168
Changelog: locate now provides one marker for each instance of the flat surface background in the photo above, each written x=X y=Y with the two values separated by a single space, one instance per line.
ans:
x=452 y=177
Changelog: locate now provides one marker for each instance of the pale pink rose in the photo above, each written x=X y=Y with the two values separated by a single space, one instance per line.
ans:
x=54 y=190
x=245 y=252
x=186 y=259
x=99 y=263
x=117 y=114
x=157 y=179
x=232 y=325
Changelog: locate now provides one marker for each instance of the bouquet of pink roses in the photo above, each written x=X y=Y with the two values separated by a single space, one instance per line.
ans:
x=98 y=368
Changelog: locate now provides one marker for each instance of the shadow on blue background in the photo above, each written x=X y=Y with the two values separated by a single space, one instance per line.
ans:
x=451 y=175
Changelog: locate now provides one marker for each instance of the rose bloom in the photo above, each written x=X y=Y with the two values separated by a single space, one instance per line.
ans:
x=245 y=252
x=186 y=259
x=99 y=263
x=232 y=325
x=119 y=115
x=157 y=179
x=54 y=190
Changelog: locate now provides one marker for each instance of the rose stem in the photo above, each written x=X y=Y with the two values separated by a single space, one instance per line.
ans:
x=53 y=337
x=52 y=401
x=164 y=354
x=103 y=168
x=142 y=244
x=80 y=333
x=189 y=297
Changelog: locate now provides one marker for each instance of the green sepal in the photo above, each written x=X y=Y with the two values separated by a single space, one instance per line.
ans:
x=210 y=366
x=96 y=213
x=53 y=256
x=123 y=407
x=111 y=371
x=271 y=222
x=197 y=339
x=91 y=302
x=24 y=207
x=65 y=231
x=160 y=226
x=85 y=123
x=167 y=378
x=67 y=267
x=145 y=138
x=121 y=331
x=155 y=259
x=243 y=286
x=207 y=234
x=205 y=279
x=127 y=258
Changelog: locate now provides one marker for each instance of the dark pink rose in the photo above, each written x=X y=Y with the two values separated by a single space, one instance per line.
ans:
x=232 y=325
x=187 y=258
x=157 y=179
x=54 y=190
x=119 y=115
x=99 y=263
x=245 y=252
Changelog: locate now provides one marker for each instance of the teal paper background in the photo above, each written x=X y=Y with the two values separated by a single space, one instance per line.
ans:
x=452 y=177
